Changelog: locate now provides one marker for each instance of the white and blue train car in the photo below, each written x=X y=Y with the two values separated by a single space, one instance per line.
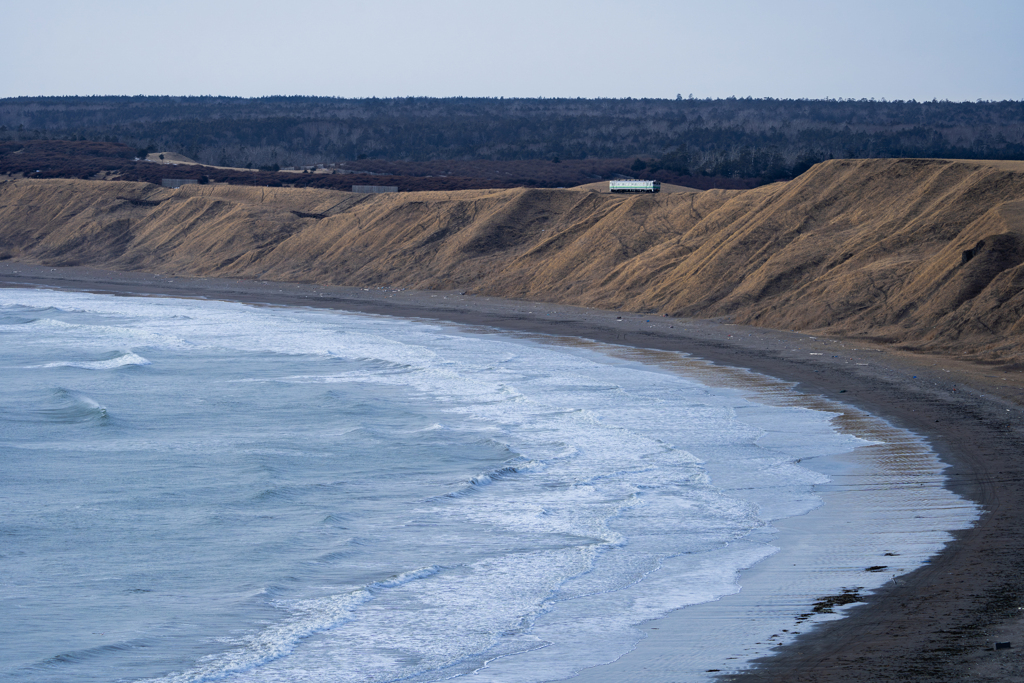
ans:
x=634 y=186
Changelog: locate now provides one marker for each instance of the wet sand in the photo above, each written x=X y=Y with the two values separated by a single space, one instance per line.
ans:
x=938 y=623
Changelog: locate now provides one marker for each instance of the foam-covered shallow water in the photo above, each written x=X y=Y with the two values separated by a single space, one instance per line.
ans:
x=197 y=491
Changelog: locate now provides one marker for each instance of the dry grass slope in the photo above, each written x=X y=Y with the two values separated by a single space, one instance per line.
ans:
x=925 y=253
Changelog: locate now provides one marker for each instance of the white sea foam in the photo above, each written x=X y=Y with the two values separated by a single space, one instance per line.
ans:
x=532 y=505
x=307 y=617
x=119 y=361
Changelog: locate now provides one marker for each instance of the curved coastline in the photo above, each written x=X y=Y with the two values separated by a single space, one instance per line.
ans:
x=883 y=512
x=939 y=621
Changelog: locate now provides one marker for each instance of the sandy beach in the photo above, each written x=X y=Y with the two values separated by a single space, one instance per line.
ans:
x=939 y=623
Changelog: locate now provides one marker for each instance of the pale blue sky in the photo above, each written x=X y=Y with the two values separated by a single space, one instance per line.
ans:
x=530 y=48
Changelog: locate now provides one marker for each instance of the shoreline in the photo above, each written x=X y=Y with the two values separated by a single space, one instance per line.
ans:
x=940 y=620
x=877 y=520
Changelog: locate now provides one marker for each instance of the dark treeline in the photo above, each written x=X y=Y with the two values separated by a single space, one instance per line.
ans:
x=116 y=161
x=764 y=139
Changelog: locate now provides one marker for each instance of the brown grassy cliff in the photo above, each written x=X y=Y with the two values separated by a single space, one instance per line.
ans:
x=927 y=253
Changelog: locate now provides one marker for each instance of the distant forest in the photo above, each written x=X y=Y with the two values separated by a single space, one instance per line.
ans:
x=757 y=139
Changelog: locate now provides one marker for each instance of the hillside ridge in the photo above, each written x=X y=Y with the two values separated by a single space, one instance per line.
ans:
x=924 y=253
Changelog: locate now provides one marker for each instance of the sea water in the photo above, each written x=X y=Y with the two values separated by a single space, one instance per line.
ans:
x=195 y=491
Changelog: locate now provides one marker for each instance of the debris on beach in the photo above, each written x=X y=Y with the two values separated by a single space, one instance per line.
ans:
x=825 y=604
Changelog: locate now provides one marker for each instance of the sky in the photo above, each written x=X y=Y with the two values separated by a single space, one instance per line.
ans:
x=923 y=50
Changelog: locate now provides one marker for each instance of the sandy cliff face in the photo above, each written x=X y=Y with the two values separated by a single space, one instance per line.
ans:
x=928 y=253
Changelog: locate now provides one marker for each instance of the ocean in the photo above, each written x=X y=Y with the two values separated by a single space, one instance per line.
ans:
x=197 y=490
